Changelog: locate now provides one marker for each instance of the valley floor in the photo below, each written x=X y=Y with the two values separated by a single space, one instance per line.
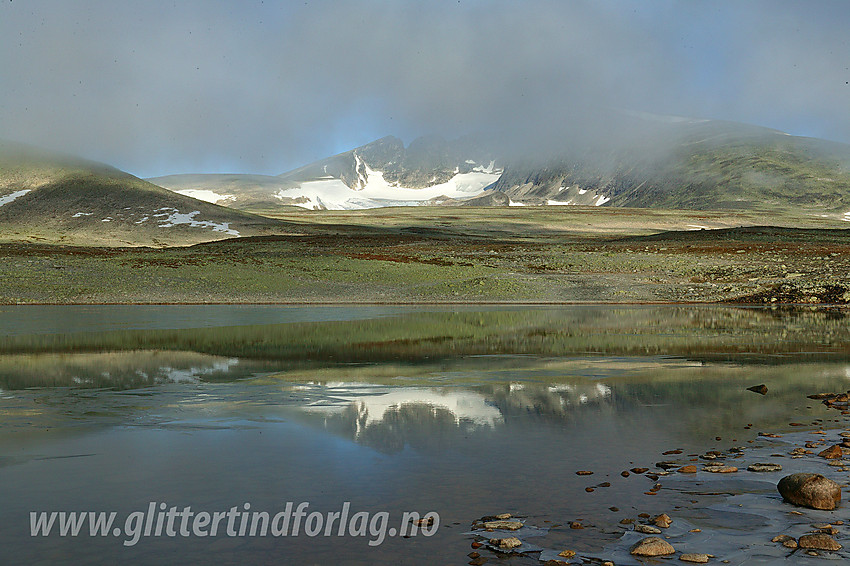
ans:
x=463 y=255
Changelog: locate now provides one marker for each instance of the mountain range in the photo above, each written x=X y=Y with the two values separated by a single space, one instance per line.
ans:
x=680 y=163
x=674 y=163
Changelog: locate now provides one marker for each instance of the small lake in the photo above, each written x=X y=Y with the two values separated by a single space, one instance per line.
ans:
x=460 y=412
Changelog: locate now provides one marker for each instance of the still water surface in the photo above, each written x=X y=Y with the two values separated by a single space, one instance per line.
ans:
x=464 y=413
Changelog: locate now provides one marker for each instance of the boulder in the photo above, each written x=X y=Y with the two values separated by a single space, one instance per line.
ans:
x=810 y=490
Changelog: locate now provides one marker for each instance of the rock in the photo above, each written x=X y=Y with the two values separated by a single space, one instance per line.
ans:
x=575 y=525
x=781 y=538
x=503 y=516
x=584 y=473
x=567 y=553
x=662 y=521
x=818 y=541
x=826 y=529
x=790 y=543
x=652 y=546
x=506 y=543
x=720 y=469
x=648 y=529
x=503 y=525
x=687 y=470
x=760 y=389
x=810 y=490
x=766 y=467
x=667 y=465
x=696 y=558
x=480 y=561
x=831 y=453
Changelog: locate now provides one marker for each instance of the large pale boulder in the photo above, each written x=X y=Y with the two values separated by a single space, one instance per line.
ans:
x=810 y=490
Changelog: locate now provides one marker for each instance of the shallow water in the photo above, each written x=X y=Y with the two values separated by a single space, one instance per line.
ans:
x=464 y=414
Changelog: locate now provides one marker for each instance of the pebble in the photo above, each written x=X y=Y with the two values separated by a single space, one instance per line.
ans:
x=764 y=467
x=832 y=453
x=652 y=546
x=687 y=470
x=648 y=529
x=503 y=525
x=506 y=543
x=639 y=470
x=478 y=561
x=697 y=558
x=567 y=553
x=662 y=521
x=760 y=389
x=720 y=469
x=584 y=473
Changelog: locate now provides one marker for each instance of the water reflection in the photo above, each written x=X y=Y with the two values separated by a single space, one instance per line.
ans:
x=467 y=413
x=117 y=370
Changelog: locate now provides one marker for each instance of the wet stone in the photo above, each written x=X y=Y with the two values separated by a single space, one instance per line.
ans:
x=506 y=543
x=662 y=521
x=831 y=453
x=648 y=529
x=503 y=525
x=810 y=490
x=764 y=467
x=720 y=469
x=819 y=542
x=695 y=558
x=652 y=546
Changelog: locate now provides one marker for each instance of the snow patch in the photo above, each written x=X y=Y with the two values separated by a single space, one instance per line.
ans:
x=490 y=169
x=512 y=203
x=601 y=200
x=10 y=197
x=173 y=218
x=582 y=191
x=205 y=195
x=847 y=216
x=551 y=202
x=698 y=227
x=80 y=214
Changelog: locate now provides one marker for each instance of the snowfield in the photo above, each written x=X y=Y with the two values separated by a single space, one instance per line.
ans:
x=205 y=195
x=374 y=191
x=10 y=197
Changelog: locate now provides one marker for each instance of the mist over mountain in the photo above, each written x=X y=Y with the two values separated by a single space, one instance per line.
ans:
x=635 y=160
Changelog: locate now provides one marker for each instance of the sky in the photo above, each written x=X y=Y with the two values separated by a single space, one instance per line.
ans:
x=155 y=87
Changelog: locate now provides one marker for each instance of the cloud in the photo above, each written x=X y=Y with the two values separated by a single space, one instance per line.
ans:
x=160 y=87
